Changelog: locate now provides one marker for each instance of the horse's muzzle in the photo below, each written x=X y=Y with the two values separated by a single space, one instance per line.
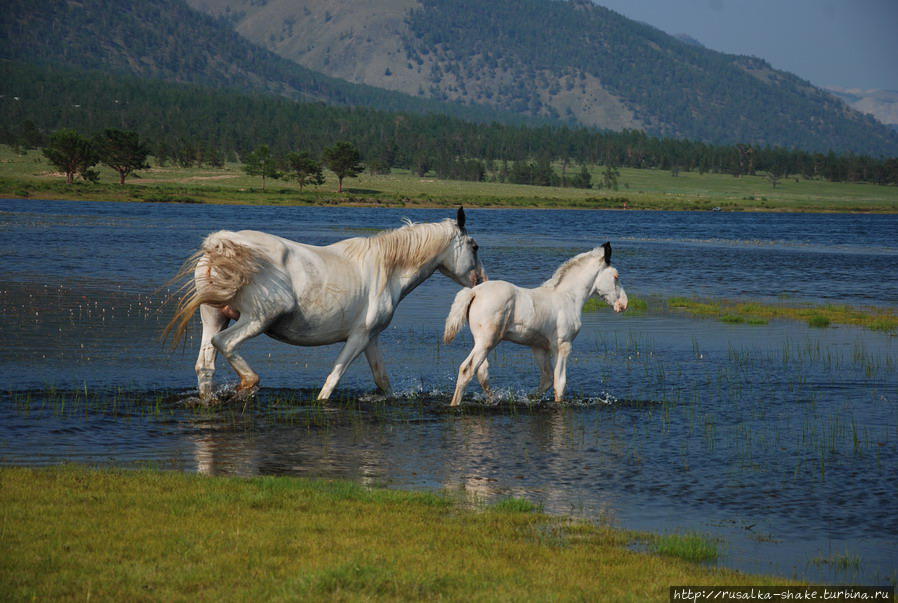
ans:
x=478 y=276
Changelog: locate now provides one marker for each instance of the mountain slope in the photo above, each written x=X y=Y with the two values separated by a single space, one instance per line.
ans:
x=881 y=104
x=167 y=39
x=570 y=60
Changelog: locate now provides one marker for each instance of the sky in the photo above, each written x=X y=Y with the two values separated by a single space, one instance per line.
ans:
x=844 y=43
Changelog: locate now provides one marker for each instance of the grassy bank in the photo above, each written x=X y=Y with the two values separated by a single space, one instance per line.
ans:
x=29 y=176
x=759 y=313
x=876 y=319
x=76 y=533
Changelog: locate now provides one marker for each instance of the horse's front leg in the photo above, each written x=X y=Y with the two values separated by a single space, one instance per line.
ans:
x=378 y=369
x=354 y=346
x=227 y=341
x=563 y=351
x=544 y=362
x=214 y=321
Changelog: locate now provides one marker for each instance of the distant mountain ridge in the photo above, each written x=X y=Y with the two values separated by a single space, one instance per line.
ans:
x=567 y=60
x=168 y=40
x=881 y=104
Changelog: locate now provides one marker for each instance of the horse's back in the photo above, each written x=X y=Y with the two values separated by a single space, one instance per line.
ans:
x=511 y=312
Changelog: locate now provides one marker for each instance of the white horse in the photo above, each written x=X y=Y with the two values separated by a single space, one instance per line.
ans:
x=546 y=318
x=308 y=295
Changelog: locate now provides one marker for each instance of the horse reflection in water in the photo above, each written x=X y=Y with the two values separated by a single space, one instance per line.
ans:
x=309 y=295
x=546 y=318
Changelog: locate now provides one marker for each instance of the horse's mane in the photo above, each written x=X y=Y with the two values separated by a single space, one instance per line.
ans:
x=566 y=267
x=408 y=246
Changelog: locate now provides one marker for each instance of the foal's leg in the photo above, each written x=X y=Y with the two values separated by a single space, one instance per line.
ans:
x=564 y=349
x=227 y=341
x=376 y=362
x=354 y=346
x=545 y=370
x=214 y=321
x=483 y=375
x=483 y=344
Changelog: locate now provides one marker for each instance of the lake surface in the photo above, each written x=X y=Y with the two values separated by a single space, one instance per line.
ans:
x=779 y=440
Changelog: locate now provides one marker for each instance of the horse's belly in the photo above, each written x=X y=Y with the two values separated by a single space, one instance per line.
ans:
x=297 y=330
x=529 y=337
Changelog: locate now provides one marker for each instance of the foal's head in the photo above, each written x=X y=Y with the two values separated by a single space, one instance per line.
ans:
x=607 y=284
x=460 y=262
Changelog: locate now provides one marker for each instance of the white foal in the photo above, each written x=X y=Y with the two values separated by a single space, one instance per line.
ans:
x=546 y=318
x=308 y=295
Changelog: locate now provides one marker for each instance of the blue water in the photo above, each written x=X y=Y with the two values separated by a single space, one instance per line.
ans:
x=780 y=440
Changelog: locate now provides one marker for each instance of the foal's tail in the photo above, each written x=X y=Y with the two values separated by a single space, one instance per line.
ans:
x=213 y=275
x=458 y=315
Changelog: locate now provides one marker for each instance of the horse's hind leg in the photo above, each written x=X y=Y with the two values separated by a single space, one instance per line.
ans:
x=483 y=375
x=227 y=341
x=214 y=321
x=471 y=365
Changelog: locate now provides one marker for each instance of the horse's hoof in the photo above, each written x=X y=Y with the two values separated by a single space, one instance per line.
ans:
x=373 y=398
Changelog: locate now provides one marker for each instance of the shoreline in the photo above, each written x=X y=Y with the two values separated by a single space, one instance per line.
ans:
x=431 y=204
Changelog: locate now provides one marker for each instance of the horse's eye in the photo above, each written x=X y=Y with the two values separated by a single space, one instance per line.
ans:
x=475 y=245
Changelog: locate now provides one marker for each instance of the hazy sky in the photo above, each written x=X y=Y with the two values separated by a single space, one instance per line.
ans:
x=847 y=43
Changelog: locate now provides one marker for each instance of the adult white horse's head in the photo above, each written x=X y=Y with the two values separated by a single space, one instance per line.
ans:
x=607 y=284
x=460 y=261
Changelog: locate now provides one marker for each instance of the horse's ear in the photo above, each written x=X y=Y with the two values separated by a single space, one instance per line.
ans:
x=460 y=218
x=607 y=247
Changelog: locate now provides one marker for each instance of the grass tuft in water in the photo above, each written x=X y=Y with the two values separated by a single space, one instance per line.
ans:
x=841 y=561
x=691 y=547
x=516 y=505
x=819 y=321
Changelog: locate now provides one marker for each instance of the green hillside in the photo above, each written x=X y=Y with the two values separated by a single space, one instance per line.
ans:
x=189 y=123
x=568 y=60
x=168 y=40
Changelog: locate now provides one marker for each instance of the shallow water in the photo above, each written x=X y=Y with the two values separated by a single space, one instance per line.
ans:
x=781 y=440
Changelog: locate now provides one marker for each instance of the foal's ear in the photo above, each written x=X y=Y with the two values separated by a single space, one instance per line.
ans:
x=460 y=218
x=607 y=247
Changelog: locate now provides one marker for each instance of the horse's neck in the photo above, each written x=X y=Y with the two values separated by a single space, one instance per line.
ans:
x=577 y=284
x=409 y=278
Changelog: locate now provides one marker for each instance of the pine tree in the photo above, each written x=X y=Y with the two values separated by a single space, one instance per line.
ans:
x=343 y=160
x=122 y=151
x=73 y=154
x=261 y=163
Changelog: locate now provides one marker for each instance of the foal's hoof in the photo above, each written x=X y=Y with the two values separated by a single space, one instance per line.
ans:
x=373 y=398
x=245 y=393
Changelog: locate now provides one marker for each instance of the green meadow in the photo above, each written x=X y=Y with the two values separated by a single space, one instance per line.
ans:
x=30 y=176
x=72 y=533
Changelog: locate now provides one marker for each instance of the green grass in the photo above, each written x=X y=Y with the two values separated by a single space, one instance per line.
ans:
x=822 y=316
x=515 y=505
x=29 y=176
x=635 y=305
x=691 y=547
x=75 y=533
x=819 y=321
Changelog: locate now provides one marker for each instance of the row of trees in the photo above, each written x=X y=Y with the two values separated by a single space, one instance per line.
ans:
x=76 y=155
x=124 y=152
x=186 y=125
x=342 y=159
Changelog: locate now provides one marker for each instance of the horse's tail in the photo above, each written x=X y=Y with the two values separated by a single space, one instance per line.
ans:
x=458 y=315
x=213 y=275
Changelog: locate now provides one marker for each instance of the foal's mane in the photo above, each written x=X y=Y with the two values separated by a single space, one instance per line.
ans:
x=566 y=267
x=408 y=246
